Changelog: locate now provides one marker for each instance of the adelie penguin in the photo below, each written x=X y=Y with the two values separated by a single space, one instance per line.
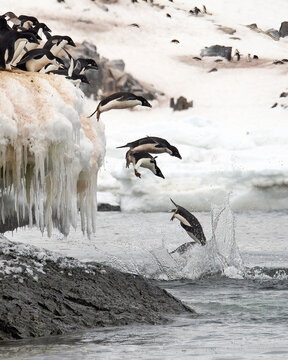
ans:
x=189 y=223
x=36 y=59
x=120 y=100
x=152 y=144
x=145 y=160
x=11 y=45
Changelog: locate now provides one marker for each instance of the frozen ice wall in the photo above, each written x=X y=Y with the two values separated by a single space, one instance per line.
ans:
x=50 y=153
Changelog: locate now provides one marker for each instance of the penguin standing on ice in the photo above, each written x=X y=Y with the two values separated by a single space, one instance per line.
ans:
x=56 y=43
x=36 y=59
x=145 y=160
x=189 y=223
x=152 y=144
x=11 y=45
x=120 y=100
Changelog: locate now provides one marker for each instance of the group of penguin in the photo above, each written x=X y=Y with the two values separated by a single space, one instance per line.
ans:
x=20 y=38
x=20 y=48
x=139 y=155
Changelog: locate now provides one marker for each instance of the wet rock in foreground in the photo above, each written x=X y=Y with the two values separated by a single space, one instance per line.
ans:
x=45 y=294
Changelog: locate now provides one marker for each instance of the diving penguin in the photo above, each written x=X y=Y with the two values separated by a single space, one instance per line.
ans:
x=189 y=223
x=120 y=100
x=145 y=160
x=152 y=144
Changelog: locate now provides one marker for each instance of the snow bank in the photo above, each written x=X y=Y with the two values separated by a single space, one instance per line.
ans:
x=49 y=156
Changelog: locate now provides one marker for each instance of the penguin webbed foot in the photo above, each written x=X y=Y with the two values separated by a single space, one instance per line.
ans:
x=137 y=174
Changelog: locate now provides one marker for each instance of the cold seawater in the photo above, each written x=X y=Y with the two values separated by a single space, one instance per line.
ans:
x=238 y=285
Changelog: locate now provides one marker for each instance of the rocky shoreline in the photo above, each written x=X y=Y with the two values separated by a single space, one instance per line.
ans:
x=43 y=293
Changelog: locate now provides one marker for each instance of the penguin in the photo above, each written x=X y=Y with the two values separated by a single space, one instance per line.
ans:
x=82 y=64
x=27 y=21
x=189 y=223
x=56 y=43
x=152 y=144
x=237 y=55
x=36 y=59
x=120 y=100
x=145 y=160
x=11 y=45
x=10 y=16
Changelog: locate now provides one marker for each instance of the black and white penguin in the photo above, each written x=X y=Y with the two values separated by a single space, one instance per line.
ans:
x=27 y=22
x=36 y=59
x=154 y=145
x=120 y=100
x=56 y=43
x=10 y=16
x=11 y=45
x=82 y=64
x=145 y=160
x=189 y=223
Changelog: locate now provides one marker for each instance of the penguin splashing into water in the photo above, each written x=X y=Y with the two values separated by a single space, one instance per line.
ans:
x=189 y=223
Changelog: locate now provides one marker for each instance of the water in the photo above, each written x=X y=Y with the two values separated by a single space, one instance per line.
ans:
x=239 y=290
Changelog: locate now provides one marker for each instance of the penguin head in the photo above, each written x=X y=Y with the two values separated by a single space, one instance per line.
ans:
x=91 y=64
x=69 y=41
x=174 y=210
x=44 y=27
x=175 y=152
x=29 y=36
x=144 y=102
x=156 y=171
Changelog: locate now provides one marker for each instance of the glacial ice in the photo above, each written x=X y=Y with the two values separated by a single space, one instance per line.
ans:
x=50 y=153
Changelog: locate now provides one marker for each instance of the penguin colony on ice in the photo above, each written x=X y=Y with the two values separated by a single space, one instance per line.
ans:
x=20 y=48
x=20 y=38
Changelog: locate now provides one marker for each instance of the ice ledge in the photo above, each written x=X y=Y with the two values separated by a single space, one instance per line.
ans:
x=50 y=153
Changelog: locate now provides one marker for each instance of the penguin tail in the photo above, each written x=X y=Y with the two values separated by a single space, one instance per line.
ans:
x=119 y=147
x=174 y=202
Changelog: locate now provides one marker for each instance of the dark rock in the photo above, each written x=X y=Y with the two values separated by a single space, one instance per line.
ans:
x=110 y=76
x=175 y=41
x=108 y=207
x=278 y=62
x=196 y=58
x=274 y=105
x=283 y=31
x=274 y=34
x=213 y=70
x=181 y=104
x=43 y=294
x=226 y=29
x=252 y=26
x=284 y=94
x=217 y=50
x=256 y=57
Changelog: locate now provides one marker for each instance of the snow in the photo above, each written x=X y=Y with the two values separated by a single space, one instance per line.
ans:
x=50 y=158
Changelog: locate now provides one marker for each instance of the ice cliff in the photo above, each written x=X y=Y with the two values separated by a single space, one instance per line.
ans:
x=50 y=153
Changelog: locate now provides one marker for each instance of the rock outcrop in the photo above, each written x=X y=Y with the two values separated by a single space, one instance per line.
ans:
x=110 y=76
x=44 y=294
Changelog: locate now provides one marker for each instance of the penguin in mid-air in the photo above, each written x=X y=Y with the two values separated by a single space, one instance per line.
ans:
x=145 y=160
x=189 y=223
x=120 y=100
x=152 y=144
